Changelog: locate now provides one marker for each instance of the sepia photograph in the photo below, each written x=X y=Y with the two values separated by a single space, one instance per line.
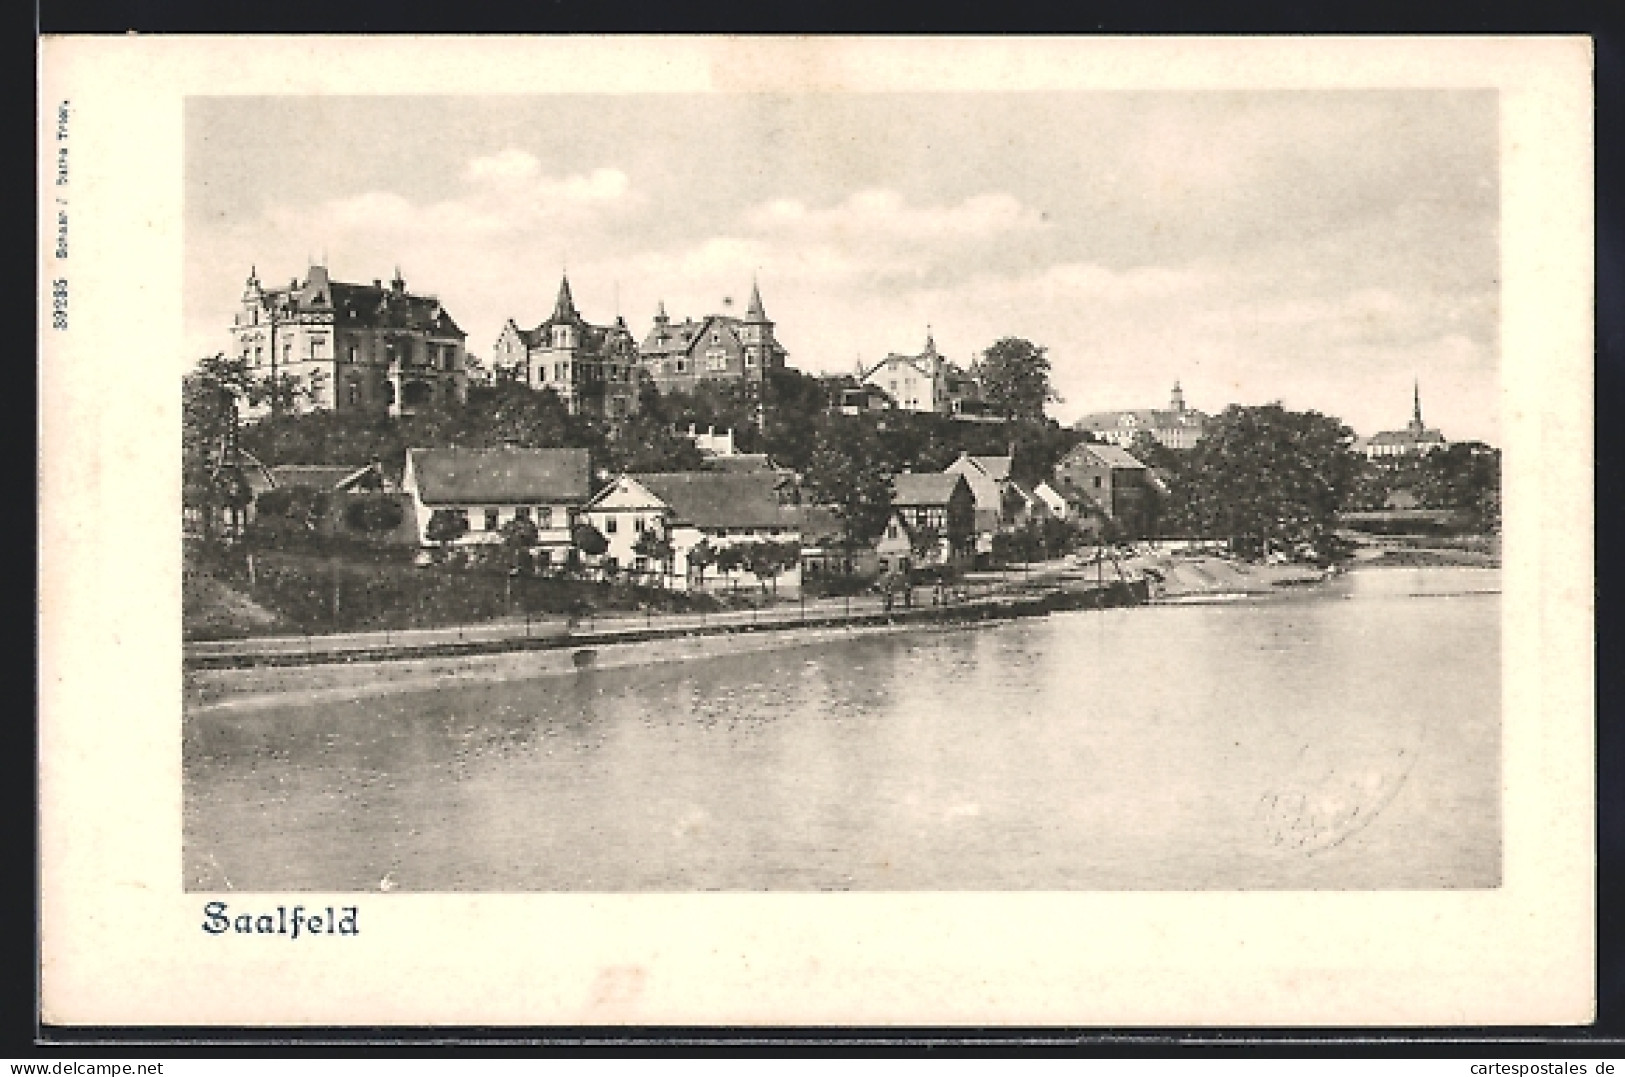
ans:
x=824 y=492
x=684 y=541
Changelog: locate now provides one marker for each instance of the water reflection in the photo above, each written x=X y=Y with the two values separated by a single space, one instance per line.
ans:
x=1346 y=736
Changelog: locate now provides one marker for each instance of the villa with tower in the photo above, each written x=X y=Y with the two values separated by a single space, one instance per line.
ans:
x=923 y=382
x=350 y=347
x=718 y=348
x=592 y=368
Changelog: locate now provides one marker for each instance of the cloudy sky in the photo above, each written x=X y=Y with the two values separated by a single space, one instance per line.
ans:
x=1322 y=249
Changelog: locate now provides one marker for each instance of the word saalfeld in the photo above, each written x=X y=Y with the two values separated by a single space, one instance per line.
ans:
x=218 y=920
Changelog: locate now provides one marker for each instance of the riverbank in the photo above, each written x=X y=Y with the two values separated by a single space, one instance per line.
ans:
x=247 y=675
x=258 y=687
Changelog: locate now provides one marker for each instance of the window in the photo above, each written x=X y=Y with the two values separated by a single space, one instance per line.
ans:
x=716 y=359
x=891 y=531
x=1097 y=482
x=258 y=356
x=716 y=338
x=544 y=516
x=354 y=394
x=354 y=353
x=682 y=366
x=609 y=525
x=316 y=347
x=750 y=358
x=522 y=512
x=490 y=519
x=642 y=564
x=637 y=524
x=287 y=350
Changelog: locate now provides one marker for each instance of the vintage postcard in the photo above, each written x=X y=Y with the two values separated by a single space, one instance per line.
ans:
x=816 y=531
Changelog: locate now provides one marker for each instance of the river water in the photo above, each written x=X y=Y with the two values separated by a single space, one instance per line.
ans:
x=1339 y=736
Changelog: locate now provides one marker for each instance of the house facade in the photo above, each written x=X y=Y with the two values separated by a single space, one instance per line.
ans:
x=940 y=505
x=1177 y=426
x=1107 y=481
x=350 y=347
x=1001 y=503
x=593 y=369
x=924 y=382
x=680 y=356
x=688 y=510
x=489 y=488
x=1415 y=440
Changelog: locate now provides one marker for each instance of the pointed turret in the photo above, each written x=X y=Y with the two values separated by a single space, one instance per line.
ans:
x=930 y=342
x=660 y=313
x=1177 y=401
x=1416 y=413
x=754 y=312
x=399 y=282
x=564 y=308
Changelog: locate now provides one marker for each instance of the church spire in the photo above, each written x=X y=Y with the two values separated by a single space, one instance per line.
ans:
x=755 y=313
x=1416 y=414
x=564 y=308
x=930 y=341
x=1177 y=402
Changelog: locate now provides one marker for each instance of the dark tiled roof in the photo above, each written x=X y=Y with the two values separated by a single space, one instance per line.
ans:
x=740 y=462
x=1110 y=455
x=996 y=467
x=819 y=524
x=718 y=499
x=921 y=488
x=500 y=476
x=316 y=476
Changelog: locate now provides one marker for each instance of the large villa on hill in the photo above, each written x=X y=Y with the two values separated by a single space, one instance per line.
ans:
x=366 y=348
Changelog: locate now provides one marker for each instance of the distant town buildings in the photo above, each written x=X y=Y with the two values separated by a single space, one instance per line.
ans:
x=1415 y=440
x=1177 y=426
x=592 y=368
x=350 y=347
x=719 y=348
x=923 y=382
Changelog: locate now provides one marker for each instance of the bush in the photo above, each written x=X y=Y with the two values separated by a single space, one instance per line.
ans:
x=373 y=513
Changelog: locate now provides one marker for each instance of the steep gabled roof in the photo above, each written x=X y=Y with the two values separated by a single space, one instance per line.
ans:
x=914 y=489
x=500 y=476
x=712 y=500
x=1110 y=455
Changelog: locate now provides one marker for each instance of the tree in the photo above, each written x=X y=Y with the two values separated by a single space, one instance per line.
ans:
x=701 y=555
x=1465 y=476
x=374 y=514
x=212 y=479
x=925 y=543
x=586 y=540
x=846 y=471
x=654 y=545
x=445 y=527
x=1264 y=477
x=1014 y=374
x=520 y=533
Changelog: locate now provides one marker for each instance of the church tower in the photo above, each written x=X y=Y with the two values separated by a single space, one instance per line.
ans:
x=1177 y=401
x=1416 y=426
